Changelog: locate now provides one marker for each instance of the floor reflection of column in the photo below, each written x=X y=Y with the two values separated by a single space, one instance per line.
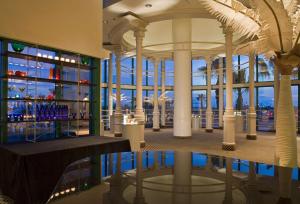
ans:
x=252 y=197
x=163 y=159
x=115 y=194
x=139 y=197
x=156 y=161
x=285 y=184
x=96 y=169
x=110 y=164
x=182 y=178
x=228 y=182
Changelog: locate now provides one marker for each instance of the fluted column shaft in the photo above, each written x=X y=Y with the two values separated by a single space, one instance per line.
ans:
x=276 y=92
x=286 y=142
x=155 y=97
x=163 y=90
x=118 y=113
x=209 y=113
x=110 y=98
x=251 y=113
x=221 y=102
x=139 y=112
x=229 y=117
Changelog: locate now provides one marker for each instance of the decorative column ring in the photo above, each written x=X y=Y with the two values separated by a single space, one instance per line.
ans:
x=118 y=119
x=156 y=126
x=209 y=113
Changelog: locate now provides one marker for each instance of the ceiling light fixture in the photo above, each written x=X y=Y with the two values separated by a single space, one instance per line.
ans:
x=148 y=5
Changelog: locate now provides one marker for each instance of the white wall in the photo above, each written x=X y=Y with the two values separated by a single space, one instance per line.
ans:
x=72 y=25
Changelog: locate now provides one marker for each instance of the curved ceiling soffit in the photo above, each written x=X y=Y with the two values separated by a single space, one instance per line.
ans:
x=235 y=14
x=128 y=22
x=178 y=13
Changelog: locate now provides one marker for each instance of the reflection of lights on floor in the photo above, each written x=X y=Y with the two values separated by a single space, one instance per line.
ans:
x=63 y=192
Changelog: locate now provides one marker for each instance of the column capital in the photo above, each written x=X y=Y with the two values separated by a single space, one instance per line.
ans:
x=155 y=59
x=227 y=29
x=139 y=33
x=286 y=63
x=209 y=59
x=118 y=50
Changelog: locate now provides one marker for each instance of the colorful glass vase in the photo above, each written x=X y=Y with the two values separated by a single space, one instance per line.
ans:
x=18 y=47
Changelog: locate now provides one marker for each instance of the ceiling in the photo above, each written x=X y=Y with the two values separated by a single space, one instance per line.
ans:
x=206 y=31
x=206 y=34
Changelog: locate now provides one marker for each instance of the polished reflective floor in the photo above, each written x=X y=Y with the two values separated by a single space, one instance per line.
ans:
x=175 y=177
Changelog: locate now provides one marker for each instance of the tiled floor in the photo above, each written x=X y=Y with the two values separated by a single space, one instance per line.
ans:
x=260 y=150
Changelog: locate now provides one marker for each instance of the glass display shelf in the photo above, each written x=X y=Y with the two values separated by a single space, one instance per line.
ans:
x=43 y=121
x=56 y=81
x=47 y=60
x=46 y=100
x=48 y=92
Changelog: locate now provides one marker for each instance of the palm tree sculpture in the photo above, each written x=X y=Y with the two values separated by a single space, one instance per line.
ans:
x=274 y=29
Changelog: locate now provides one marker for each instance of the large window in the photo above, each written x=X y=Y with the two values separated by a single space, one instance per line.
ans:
x=265 y=108
x=264 y=69
x=198 y=72
x=127 y=99
x=198 y=100
x=169 y=69
x=127 y=70
x=240 y=65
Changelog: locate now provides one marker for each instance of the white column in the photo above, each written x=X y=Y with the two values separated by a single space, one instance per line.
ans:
x=209 y=114
x=229 y=118
x=118 y=116
x=182 y=77
x=139 y=112
x=163 y=90
x=155 y=98
x=110 y=98
x=251 y=135
x=182 y=177
x=221 y=92
x=276 y=92
x=286 y=142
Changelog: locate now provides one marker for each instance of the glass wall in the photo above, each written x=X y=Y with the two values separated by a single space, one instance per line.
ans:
x=264 y=96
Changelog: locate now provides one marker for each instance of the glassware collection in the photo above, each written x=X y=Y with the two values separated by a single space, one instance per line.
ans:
x=45 y=86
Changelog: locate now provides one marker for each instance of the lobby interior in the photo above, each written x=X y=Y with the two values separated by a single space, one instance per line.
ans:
x=147 y=77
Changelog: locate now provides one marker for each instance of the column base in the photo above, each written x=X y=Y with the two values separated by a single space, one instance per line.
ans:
x=156 y=129
x=209 y=130
x=118 y=134
x=228 y=147
x=251 y=137
x=182 y=137
x=140 y=116
x=143 y=144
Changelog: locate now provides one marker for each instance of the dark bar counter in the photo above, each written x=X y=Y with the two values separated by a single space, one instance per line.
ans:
x=29 y=172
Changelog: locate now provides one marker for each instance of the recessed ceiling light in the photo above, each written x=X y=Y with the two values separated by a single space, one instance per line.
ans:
x=148 y=5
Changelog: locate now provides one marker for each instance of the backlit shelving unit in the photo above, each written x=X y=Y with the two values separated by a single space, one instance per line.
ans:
x=46 y=93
